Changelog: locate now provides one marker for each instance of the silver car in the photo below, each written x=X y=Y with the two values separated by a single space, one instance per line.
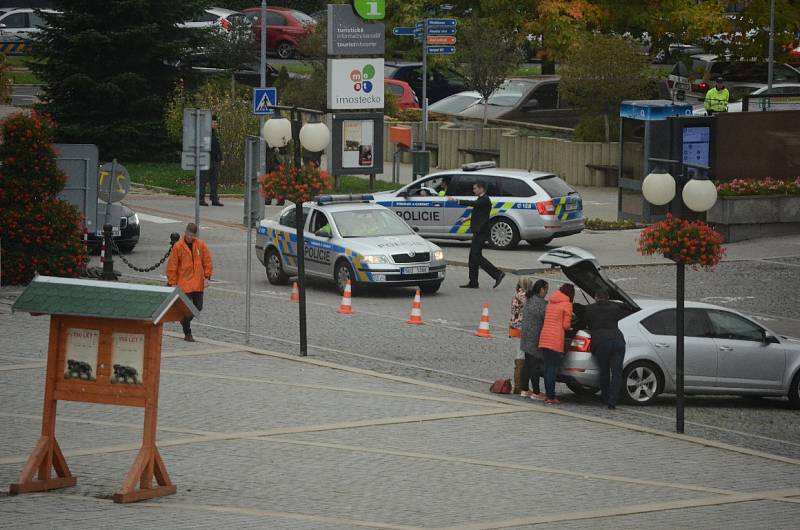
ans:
x=726 y=352
x=532 y=205
x=349 y=238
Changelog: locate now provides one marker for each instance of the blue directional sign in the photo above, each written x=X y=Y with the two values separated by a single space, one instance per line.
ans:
x=441 y=30
x=441 y=50
x=404 y=32
x=442 y=22
x=263 y=100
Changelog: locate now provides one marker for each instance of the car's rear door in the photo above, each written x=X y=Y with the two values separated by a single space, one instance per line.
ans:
x=458 y=218
x=746 y=361
x=700 y=348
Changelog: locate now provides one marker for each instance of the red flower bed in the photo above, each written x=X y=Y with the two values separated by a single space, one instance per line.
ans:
x=767 y=186
x=689 y=242
x=295 y=184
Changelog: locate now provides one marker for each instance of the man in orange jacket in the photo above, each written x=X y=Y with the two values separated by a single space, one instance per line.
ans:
x=190 y=268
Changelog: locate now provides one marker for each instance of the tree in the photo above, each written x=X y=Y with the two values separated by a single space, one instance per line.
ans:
x=601 y=71
x=487 y=55
x=108 y=68
x=39 y=233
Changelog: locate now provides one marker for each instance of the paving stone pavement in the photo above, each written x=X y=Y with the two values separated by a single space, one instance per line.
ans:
x=260 y=439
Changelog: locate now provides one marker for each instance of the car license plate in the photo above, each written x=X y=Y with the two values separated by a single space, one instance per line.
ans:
x=682 y=86
x=115 y=232
x=572 y=206
x=414 y=270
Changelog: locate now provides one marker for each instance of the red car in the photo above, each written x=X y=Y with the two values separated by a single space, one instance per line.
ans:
x=794 y=57
x=405 y=94
x=286 y=27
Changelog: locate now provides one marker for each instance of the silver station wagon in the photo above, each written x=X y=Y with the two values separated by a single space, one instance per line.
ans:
x=726 y=352
x=530 y=205
x=349 y=238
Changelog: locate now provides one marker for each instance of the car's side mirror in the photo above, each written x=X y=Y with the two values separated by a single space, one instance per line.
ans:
x=415 y=228
x=768 y=338
x=403 y=194
x=532 y=104
x=323 y=232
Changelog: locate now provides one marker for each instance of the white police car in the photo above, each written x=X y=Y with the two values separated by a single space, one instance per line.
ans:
x=531 y=205
x=349 y=238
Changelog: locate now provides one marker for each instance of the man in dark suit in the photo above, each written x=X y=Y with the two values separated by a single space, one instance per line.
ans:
x=479 y=221
x=211 y=175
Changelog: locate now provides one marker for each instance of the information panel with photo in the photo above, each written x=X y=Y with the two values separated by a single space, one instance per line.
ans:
x=81 y=353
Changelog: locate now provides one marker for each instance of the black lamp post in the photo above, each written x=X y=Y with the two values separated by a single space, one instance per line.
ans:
x=699 y=195
x=314 y=137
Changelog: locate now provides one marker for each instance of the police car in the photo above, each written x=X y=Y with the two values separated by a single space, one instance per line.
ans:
x=531 y=205
x=349 y=238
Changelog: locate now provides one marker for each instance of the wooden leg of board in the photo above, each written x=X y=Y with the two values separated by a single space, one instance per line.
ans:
x=47 y=452
x=148 y=465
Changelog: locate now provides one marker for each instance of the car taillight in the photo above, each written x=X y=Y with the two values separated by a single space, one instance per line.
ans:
x=582 y=344
x=700 y=87
x=225 y=23
x=670 y=83
x=546 y=208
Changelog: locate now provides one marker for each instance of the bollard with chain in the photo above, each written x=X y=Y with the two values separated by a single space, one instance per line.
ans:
x=108 y=255
x=173 y=238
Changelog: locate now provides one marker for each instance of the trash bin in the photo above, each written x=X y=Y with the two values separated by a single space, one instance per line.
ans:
x=420 y=163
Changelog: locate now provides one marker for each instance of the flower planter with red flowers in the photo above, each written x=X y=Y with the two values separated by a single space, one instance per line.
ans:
x=692 y=243
x=749 y=208
x=295 y=184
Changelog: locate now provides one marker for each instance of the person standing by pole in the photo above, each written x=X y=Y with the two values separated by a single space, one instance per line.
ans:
x=479 y=221
x=608 y=344
x=717 y=98
x=190 y=268
x=211 y=175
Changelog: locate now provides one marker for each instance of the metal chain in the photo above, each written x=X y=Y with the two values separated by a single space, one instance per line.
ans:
x=146 y=269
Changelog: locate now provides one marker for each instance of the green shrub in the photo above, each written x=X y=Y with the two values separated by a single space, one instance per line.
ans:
x=593 y=129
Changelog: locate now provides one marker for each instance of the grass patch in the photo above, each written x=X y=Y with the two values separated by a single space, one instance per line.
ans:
x=524 y=71
x=296 y=68
x=170 y=176
x=602 y=224
x=25 y=77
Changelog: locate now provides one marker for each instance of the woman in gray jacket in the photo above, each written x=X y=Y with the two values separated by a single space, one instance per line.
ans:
x=532 y=319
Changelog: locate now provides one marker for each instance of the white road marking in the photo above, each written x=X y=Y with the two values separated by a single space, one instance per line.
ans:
x=156 y=219
x=632 y=278
x=726 y=299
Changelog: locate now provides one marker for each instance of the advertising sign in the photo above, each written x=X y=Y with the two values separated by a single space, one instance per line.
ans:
x=355 y=84
x=127 y=358
x=357 y=146
x=350 y=35
x=81 y=353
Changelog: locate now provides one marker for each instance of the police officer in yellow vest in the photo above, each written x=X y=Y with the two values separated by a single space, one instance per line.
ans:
x=717 y=98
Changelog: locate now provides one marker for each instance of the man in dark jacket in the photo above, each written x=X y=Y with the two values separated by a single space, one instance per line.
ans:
x=608 y=343
x=479 y=223
x=212 y=174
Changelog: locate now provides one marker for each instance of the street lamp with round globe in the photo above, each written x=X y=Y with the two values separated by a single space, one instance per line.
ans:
x=315 y=137
x=699 y=195
x=658 y=187
x=277 y=132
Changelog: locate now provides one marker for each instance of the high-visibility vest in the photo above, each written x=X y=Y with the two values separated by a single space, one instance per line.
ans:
x=717 y=100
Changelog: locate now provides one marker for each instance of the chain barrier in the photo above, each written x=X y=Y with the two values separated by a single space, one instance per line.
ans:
x=173 y=238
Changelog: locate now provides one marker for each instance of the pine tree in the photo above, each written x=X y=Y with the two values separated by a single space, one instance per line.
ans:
x=38 y=232
x=109 y=67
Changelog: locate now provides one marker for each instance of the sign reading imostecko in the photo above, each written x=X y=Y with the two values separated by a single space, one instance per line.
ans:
x=355 y=83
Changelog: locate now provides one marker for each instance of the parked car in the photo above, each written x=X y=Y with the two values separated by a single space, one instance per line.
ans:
x=794 y=57
x=695 y=77
x=406 y=97
x=214 y=17
x=18 y=25
x=726 y=351
x=736 y=102
x=442 y=81
x=517 y=98
x=126 y=227
x=286 y=28
x=532 y=205
x=456 y=103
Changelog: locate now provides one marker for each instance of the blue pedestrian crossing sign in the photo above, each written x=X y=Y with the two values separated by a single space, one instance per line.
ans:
x=264 y=99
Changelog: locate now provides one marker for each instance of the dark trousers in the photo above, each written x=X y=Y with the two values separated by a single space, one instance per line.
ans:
x=552 y=362
x=197 y=300
x=533 y=371
x=477 y=261
x=212 y=177
x=610 y=354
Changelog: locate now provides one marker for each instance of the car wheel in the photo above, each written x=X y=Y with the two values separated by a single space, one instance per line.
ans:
x=285 y=50
x=641 y=383
x=539 y=242
x=343 y=273
x=126 y=249
x=274 y=268
x=582 y=390
x=503 y=234
x=794 y=391
x=430 y=288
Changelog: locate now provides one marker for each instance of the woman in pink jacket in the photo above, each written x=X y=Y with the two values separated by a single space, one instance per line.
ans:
x=557 y=320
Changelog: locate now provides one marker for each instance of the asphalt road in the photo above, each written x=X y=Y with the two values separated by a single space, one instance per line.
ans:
x=445 y=350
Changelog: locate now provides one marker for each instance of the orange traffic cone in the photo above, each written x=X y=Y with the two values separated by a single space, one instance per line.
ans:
x=346 y=307
x=416 y=312
x=295 y=294
x=483 y=327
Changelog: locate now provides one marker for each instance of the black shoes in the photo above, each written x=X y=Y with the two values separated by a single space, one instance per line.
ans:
x=203 y=203
x=216 y=203
x=499 y=279
x=469 y=286
x=188 y=337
